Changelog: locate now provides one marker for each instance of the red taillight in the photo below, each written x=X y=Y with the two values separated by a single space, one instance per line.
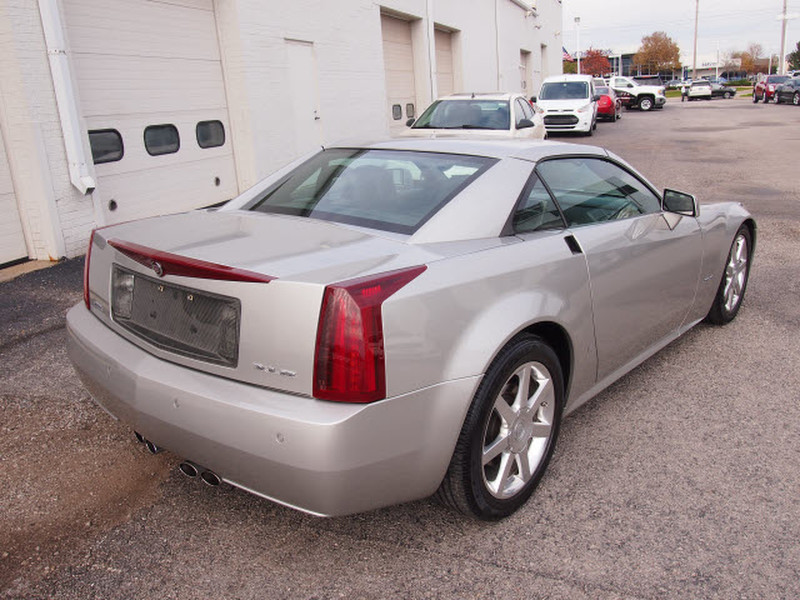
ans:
x=86 y=271
x=349 y=361
x=166 y=263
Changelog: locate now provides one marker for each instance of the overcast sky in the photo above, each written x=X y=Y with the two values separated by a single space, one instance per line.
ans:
x=619 y=25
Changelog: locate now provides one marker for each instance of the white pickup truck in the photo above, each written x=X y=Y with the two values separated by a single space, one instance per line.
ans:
x=635 y=95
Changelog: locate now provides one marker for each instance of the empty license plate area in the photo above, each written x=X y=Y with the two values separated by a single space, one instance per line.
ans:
x=186 y=321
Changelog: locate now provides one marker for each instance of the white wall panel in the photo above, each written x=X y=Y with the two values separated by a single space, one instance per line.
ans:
x=145 y=62
x=12 y=240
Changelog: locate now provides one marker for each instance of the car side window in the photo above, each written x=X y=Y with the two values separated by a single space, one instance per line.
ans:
x=519 y=112
x=593 y=190
x=537 y=211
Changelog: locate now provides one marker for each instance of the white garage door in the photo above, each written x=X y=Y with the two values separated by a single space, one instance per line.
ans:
x=398 y=59
x=444 y=62
x=153 y=97
x=12 y=241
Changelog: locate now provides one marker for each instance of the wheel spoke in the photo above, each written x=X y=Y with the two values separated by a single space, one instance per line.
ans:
x=544 y=396
x=541 y=430
x=505 y=412
x=523 y=390
x=494 y=449
x=524 y=466
x=504 y=473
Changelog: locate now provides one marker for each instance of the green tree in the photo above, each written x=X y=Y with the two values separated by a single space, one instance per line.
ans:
x=658 y=53
x=794 y=58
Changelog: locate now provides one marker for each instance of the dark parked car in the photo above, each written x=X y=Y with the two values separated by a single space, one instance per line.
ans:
x=788 y=92
x=722 y=91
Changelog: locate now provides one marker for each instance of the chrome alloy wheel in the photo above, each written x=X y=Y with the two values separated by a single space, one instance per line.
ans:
x=736 y=273
x=518 y=430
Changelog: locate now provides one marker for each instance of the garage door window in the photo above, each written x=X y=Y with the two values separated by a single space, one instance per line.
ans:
x=161 y=139
x=210 y=134
x=106 y=145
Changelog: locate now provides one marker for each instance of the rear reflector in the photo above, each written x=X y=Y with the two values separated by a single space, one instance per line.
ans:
x=166 y=263
x=349 y=357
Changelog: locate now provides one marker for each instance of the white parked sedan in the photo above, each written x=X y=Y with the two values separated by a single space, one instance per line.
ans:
x=380 y=323
x=495 y=115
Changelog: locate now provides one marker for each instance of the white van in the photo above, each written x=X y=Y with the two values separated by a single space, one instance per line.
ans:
x=568 y=103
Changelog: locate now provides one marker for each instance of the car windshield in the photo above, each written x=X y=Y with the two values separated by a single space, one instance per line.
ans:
x=465 y=114
x=601 y=91
x=564 y=90
x=390 y=190
x=777 y=78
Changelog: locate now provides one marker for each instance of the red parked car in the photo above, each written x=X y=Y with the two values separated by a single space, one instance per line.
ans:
x=609 y=107
x=764 y=89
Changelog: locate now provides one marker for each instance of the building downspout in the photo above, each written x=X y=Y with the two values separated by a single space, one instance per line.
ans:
x=81 y=168
x=497 y=41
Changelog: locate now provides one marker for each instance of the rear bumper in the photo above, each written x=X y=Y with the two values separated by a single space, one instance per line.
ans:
x=321 y=457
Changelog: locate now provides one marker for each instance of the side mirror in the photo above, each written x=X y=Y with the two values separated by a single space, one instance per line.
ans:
x=630 y=85
x=596 y=98
x=410 y=122
x=533 y=99
x=680 y=203
x=524 y=124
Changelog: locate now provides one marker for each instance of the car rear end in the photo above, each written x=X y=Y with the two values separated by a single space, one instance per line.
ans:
x=253 y=342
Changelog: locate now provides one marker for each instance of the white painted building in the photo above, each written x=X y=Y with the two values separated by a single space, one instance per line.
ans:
x=112 y=110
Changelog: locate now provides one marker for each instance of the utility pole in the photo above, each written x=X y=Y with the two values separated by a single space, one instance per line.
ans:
x=578 y=42
x=782 y=58
x=696 y=19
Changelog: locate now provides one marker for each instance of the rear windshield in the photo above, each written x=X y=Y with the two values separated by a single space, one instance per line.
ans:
x=564 y=90
x=465 y=114
x=390 y=190
x=777 y=78
x=601 y=91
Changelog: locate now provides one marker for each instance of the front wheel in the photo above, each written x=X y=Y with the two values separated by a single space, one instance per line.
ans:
x=734 y=280
x=755 y=97
x=796 y=99
x=726 y=95
x=764 y=98
x=646 y=104
x=509 y=433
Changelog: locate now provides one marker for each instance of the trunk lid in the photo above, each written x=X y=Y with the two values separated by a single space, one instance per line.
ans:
x=191 y=320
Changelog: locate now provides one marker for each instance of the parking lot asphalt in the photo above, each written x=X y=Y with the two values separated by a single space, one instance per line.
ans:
x=679 y=481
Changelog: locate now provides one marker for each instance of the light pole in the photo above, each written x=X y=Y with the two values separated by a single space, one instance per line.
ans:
x=785 y=18
x=694 y=56
x=578 y=42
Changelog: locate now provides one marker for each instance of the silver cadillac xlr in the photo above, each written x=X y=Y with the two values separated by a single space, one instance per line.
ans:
x=376 y=324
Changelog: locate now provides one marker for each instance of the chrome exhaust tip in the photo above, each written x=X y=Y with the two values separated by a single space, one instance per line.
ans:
x=210 y=478
x=189 y=469
x=152 y=448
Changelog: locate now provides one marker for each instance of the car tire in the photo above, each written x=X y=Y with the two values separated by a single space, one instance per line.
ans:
x=764 y=98
x=509 y=433
x=755 y=97
x=733 y=285
x=646 y=103
x=796 y=99
x=726 y=95
x=777 y=98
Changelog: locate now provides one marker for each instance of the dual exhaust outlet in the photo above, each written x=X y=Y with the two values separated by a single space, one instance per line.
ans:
x=188 y=468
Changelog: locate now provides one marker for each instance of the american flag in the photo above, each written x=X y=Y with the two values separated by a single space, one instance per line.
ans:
x=566 y=55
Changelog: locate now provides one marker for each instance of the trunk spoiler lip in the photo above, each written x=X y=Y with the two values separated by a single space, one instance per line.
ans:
x=166 y=263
